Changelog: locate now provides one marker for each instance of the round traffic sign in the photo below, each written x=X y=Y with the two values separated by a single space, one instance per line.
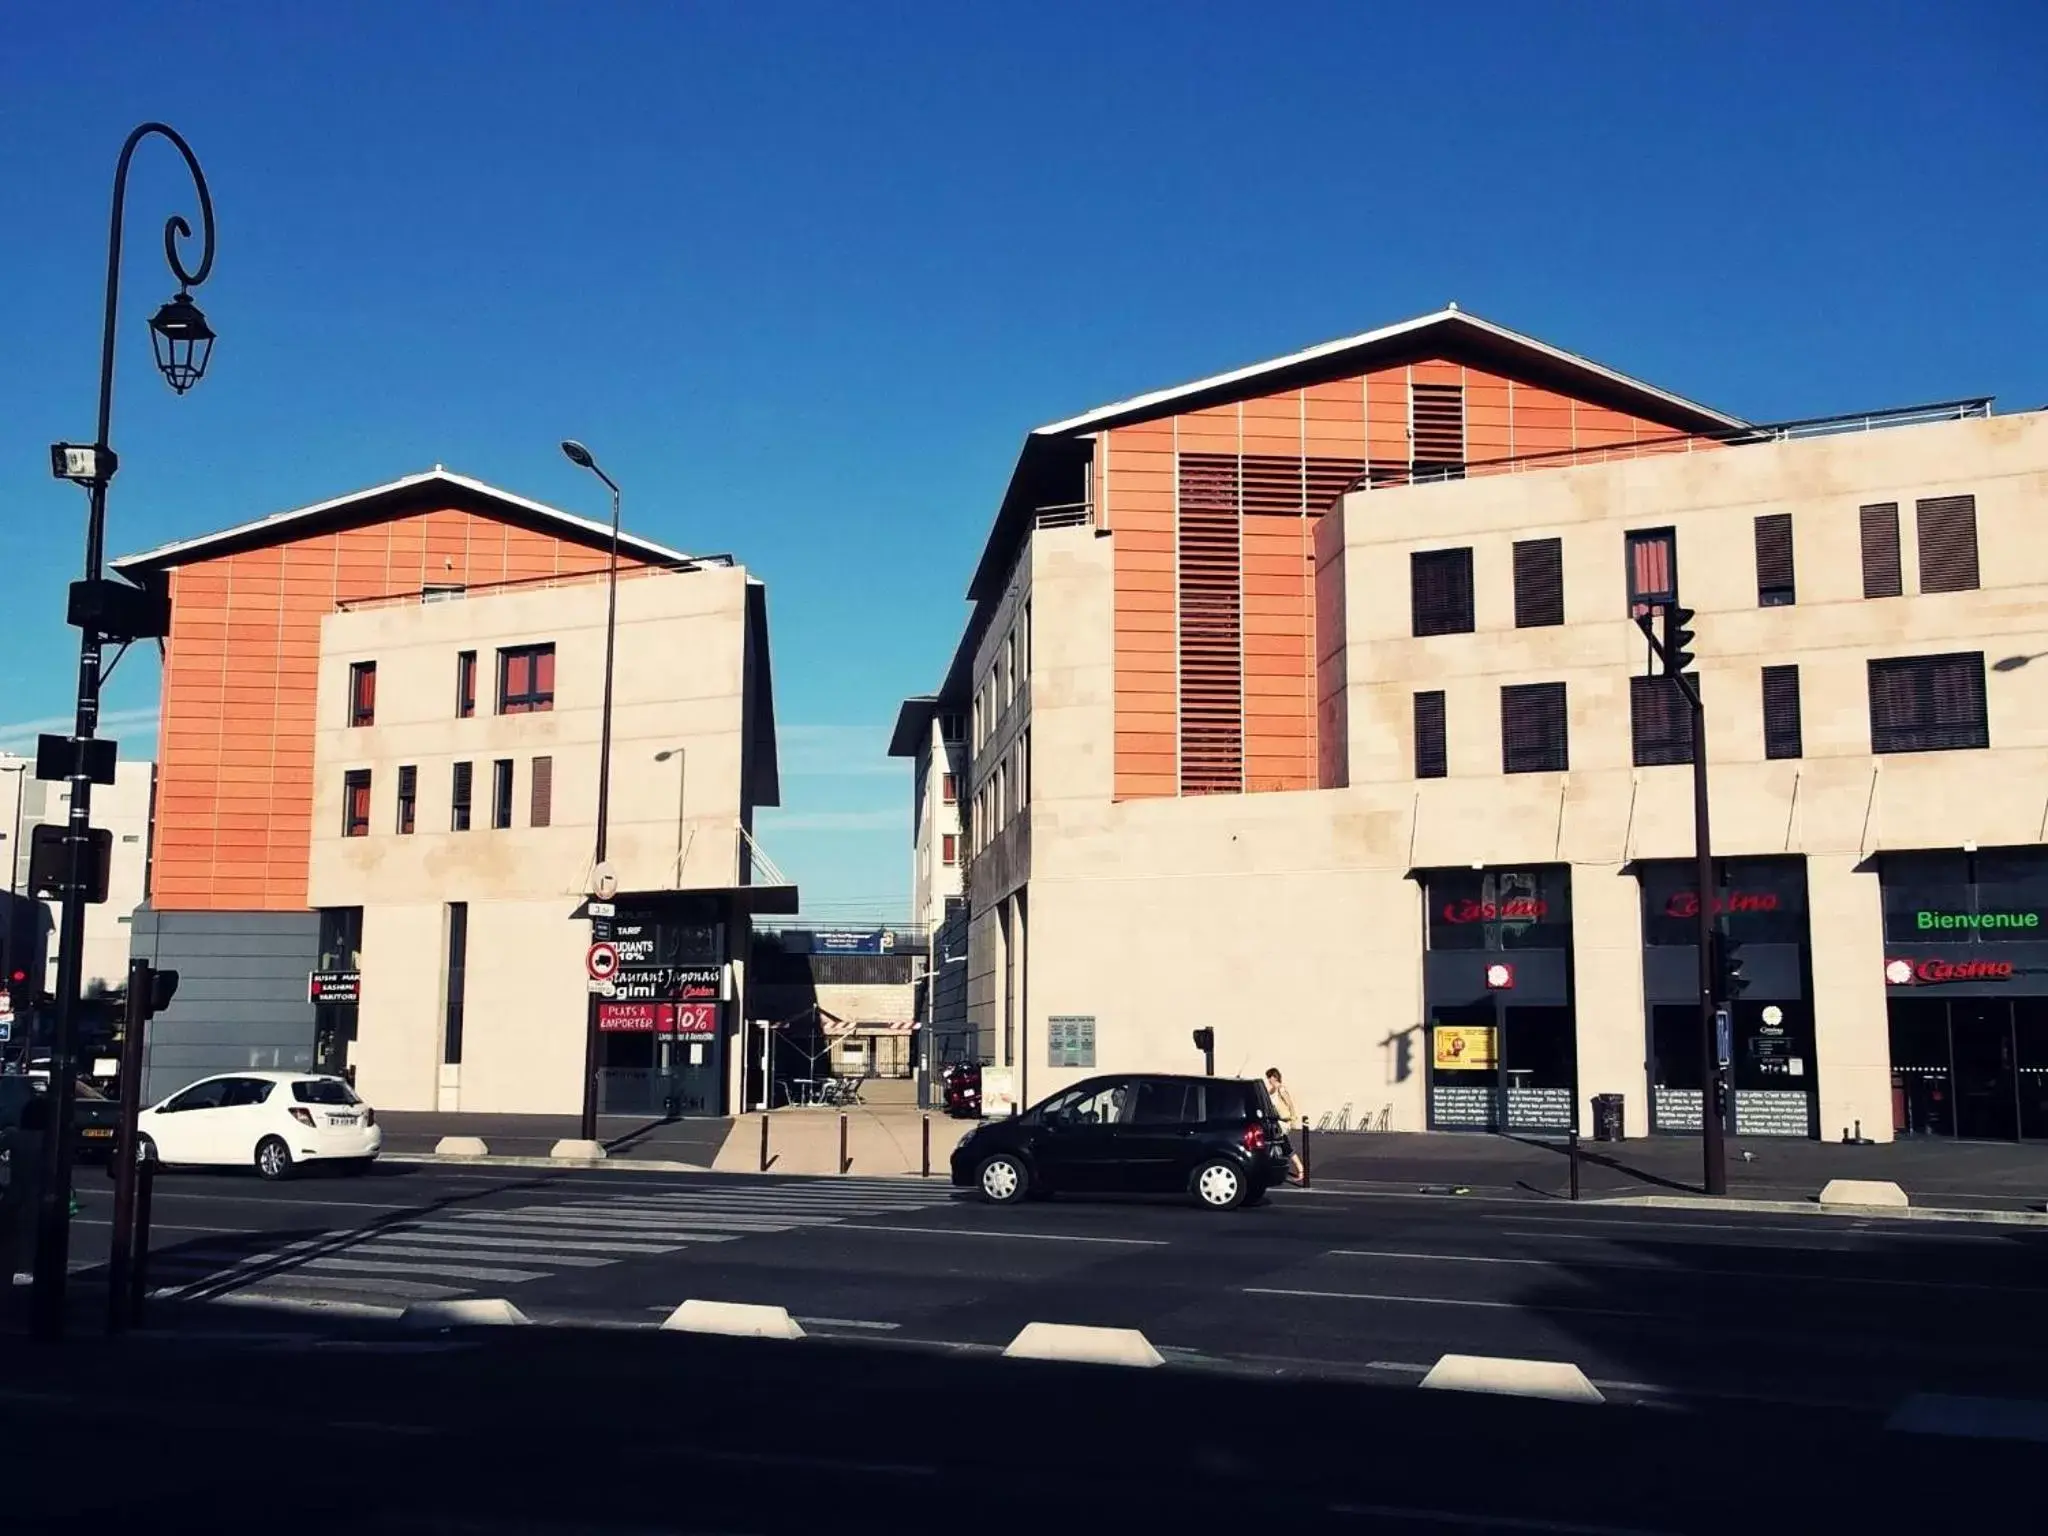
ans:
x=602 y=962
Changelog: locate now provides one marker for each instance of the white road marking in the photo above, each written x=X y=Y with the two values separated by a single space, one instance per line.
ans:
x=1445 y=1301
x=1035 y=1237
x=381 y=1249
x=458 y=1271
x=1701 y=1274
x=841 y=1322
x=548 y=1241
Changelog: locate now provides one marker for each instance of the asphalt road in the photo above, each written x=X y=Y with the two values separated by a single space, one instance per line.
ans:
x=1655 y=1305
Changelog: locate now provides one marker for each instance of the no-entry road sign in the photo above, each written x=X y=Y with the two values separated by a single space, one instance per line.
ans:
x=602 y=962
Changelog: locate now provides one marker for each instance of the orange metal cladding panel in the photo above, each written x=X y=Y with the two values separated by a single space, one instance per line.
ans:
x=1386 y=415
x=1489 y=418
x=241 y=679
x=1542 y=420
x=1140 y=498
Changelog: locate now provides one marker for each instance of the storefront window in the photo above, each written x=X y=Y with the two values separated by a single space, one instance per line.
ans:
x=1760 y=901
x=1500 y=908
x=1998 y=896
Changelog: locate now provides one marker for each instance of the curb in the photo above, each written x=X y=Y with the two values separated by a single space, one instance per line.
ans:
x=1808 y=1208
x=495 y=1160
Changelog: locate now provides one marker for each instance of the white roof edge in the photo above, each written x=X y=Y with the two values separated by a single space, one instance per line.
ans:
x=164 y=552
x=1160 y=397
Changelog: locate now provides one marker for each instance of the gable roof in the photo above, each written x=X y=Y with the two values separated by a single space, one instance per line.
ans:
x=1054 y=456
x=435 y=490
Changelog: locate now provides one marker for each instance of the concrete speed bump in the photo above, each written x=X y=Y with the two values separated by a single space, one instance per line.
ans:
x=461 y=1146
x=1093 y=1346
x=578 y=1151
x=1871 y=1192
x=470 y=1312
x=1558 y=1380
x=733 y=1319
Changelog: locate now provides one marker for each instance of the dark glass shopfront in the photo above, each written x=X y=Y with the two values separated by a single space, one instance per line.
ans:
x=1966 y=984
x=1761 y=905
x=661 y=1035
x=1502 y=1036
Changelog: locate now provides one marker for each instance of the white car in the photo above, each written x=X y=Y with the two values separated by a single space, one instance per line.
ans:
x=269 y=1121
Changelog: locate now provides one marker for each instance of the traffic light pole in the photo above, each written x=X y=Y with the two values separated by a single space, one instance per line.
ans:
x=121 y=1257
x=1713 y=1143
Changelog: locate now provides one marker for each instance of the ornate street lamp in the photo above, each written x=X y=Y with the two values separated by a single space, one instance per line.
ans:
x=103 y=610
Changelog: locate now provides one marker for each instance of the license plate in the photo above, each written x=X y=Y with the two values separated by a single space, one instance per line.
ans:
x=98 y=1133
x=341 y=1119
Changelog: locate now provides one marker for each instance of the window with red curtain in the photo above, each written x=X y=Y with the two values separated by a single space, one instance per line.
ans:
x=526 y=679
x=362 y=693
x=949 y=849
x=1652 y=569
x=355 y=803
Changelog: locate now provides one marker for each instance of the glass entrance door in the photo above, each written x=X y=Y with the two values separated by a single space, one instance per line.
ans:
x=1987 y=1086
x=1464 y=1067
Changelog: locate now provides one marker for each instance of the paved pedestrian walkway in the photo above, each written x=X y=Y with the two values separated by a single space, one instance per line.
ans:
x=881 y=1139
x=690 y=1140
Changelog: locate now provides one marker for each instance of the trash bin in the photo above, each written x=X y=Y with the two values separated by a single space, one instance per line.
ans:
x=1607 y=1117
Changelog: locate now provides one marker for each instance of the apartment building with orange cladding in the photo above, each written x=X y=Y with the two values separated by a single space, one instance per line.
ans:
x=375 y=809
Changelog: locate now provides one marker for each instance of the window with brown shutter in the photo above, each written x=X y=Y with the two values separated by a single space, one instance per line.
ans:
x=1947 y=526
x=1782 y=734
x=1534 y=736
x=1881 y=550
x=458 y=797
x=1440 y=591
x=1539 y=583
x=1652 y=569
x=1659 y=721
x=408 y=796
x=1431 y=755
x=1436 y=431
x=1209 y=573
x=1774 y=586
x=355 y=803
x=1928 y=703
x=540 y=811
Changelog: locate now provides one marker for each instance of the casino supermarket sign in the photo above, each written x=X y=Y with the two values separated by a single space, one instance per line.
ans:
x=1909 y=973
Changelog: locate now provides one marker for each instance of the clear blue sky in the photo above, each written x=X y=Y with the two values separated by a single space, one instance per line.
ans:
x=804 y=274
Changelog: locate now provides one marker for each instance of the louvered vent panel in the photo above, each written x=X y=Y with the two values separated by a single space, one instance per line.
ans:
x=1211 y=623
x=1948 y=543
x=1437 y=426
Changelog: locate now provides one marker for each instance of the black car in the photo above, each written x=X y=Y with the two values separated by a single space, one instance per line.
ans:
x=96 y=1119
x=1215 y=1138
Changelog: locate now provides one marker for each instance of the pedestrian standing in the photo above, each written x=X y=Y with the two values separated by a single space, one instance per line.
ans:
x=1283 y=1105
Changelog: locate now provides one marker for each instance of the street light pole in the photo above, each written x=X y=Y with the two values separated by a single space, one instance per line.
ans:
x=682 y=757
x=183 y=343
x=581 y=456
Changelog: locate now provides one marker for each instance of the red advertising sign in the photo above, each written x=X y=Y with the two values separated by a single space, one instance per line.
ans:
x=695 y=1020
x=1687 y=903
x=1522 y=909
x=1905 y=973
x=636 y=1018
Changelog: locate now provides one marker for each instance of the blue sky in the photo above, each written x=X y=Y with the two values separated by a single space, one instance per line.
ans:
x=804 y=273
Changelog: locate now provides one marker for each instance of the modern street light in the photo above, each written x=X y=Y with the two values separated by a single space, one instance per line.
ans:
x=681 y=756
x=581 y=457
x=103 y=610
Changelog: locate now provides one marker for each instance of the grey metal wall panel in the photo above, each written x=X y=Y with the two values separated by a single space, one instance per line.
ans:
x=241 y=1002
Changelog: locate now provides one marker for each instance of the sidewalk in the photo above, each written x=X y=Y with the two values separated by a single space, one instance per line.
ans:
x=881 y=1140
x=695 y=1141
x=1988 y=1175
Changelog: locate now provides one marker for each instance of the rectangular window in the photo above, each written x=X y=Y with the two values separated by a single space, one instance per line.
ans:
x=1009 y=669
x=1947 y=526
x=1209 y=583
x=1534 y=736
x=1660 y=721
x=950 y=728
x=1881 y=577
x=458 y=799
x=1436 y=431
x=355 y=803
x=453 y=987
x=949 y=849
x=1652 y=569
x=541 y=794
x=362 y=693
x=408 y=796
x=1440 y=591
x=526 y=679
x=1024 y=769
x=949 y=788
x=501 y=792
x=1432 y=760
x=465 y=685
x=1782 y=734
x=1774 y=586
x=1539 y=583
x=1928 y=703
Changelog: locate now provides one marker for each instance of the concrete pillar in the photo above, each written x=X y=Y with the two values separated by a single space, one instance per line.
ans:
x=1607 y=987
x=1851 y=1042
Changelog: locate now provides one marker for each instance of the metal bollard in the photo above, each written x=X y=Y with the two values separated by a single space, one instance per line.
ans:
x=843 y=1163
x=927 y=1148
x=1575 y=1162
x=764 y=1143
x=1304 y=1155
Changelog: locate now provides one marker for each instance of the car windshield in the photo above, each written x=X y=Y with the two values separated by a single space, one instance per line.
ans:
x=325 y=1090
x=86 y=1092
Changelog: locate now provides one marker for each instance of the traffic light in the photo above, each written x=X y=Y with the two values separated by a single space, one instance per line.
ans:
x=1731 y=968
x=1205 y=1042
x=1678 y=638
x=154 y=989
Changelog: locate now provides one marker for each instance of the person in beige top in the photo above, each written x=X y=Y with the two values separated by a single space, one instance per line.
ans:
x=1283 y=1103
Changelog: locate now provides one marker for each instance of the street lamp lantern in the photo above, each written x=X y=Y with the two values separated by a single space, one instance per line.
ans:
x=578 y=454
x=183 y=342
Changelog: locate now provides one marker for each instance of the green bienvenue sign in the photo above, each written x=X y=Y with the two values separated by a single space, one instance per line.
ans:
x=1929 y=921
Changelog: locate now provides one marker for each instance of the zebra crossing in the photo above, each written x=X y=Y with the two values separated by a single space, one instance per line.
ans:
x=450 y=1252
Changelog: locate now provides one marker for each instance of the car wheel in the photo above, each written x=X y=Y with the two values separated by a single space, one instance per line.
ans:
x=1002 y=1180
x=273 y=1159
x=1220 y=1185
